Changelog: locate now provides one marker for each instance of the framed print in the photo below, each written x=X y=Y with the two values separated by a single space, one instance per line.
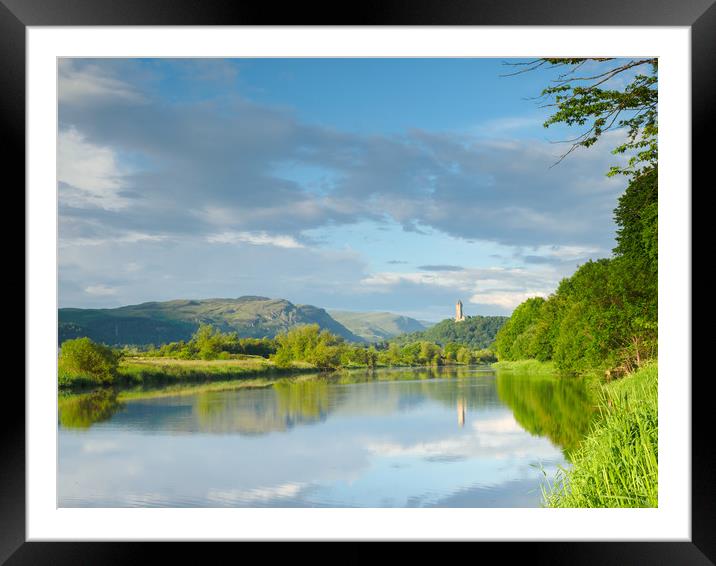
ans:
x=390 y=278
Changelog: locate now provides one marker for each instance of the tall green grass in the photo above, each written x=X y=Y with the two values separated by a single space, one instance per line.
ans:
x=526 y=366
x=166 y=371
x=617 y=463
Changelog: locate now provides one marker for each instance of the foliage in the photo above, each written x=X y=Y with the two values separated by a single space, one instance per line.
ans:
x=476 y=332
x=310 y=344
x=82 y=360
x=326 y=351
x=617 y=463
x=513 y=339
x=210 y=343
x=82 y=411
x=545 y=405
x=152 y=372
x=582 y=97
x=606 y=314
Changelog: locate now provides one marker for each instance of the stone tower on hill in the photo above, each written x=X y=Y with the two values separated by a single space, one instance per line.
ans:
x=458 y=312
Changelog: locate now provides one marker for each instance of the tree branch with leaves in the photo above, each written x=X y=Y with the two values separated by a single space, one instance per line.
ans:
x=594 y=101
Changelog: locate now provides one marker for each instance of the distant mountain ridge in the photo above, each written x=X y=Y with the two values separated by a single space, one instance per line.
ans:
x=376 y=326
x=169 y=321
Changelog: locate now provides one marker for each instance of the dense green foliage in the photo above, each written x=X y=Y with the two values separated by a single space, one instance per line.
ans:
x=544 y=405
x=172 y=321
x=82 y=411
x=211 y=354
x=605 y=315
x=476 y=332
x=82 y=361
x=210 y=343
x=326 y=351
x=616 y=465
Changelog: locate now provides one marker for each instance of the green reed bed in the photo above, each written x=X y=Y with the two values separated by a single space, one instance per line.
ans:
x=617 y=463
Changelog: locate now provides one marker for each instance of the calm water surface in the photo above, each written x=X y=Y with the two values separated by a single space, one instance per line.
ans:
x=460 y=437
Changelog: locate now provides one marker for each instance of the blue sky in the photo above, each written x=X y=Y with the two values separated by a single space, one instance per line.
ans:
x=355 y=184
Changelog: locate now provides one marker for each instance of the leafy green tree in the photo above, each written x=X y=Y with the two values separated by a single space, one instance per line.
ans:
x=81 y=357
x=310 y=344
x=509 y=344
x=465 y=356
x=636 y=217
x=605 y=314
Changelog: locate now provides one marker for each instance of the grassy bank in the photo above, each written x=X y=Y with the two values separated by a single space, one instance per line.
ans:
x=617 y=463
x=527 y=366
x=163 y=372
x=168 y=371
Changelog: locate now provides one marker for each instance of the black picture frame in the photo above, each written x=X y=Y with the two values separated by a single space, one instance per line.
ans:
x=699 y=15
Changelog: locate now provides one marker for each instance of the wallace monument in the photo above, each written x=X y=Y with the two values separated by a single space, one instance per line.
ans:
x=458 y=311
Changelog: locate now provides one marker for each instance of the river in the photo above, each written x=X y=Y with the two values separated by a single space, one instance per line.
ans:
x=453 y=437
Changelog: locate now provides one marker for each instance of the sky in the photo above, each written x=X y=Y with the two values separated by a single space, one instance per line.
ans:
x=396 y=185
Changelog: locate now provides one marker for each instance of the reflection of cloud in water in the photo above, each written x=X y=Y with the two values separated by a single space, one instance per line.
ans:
x=100 y=446
x=495 y=438
x=371 y=444
x=256 y=495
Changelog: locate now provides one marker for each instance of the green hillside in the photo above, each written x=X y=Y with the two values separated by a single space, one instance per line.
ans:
x=475 y=331
x=376 y=326
x=170 y=321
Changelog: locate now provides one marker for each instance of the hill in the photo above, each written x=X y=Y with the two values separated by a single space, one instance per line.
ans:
x=376 y=326
x=475 y=331
x=169 y=321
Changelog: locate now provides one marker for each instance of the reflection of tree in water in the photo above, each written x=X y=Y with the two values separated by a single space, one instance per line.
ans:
x=262 y=411
x=291 y=402
x=559 y=408
x=82 y=411
x=294 y=402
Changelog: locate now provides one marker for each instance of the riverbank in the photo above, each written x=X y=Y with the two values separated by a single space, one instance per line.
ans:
x=527 y=366
x=160 y=372
x=167 y=372
x=616 y=465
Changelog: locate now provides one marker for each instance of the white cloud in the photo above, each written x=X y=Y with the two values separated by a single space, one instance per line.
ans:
x=127 y=238
x=498 y=437
x=502 y=287
x=505 y=299
x=255 y=238
x=89 y=175
x=101 y=290
x=78 y=85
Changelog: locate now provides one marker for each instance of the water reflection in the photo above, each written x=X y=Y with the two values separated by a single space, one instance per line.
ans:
x=461 y=412
x=82 y=411
x=376 y=439
x=560 y=409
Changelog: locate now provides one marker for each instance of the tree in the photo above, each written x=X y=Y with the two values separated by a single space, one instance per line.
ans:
x=585 y=93
x=512 y=340
x=636 y=217
x=83 y=358
x=605 y=314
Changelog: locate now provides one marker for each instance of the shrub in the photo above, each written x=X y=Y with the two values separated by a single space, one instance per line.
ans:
x=82 y=360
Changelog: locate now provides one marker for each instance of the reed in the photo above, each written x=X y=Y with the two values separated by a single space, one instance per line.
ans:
x=616 y=465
